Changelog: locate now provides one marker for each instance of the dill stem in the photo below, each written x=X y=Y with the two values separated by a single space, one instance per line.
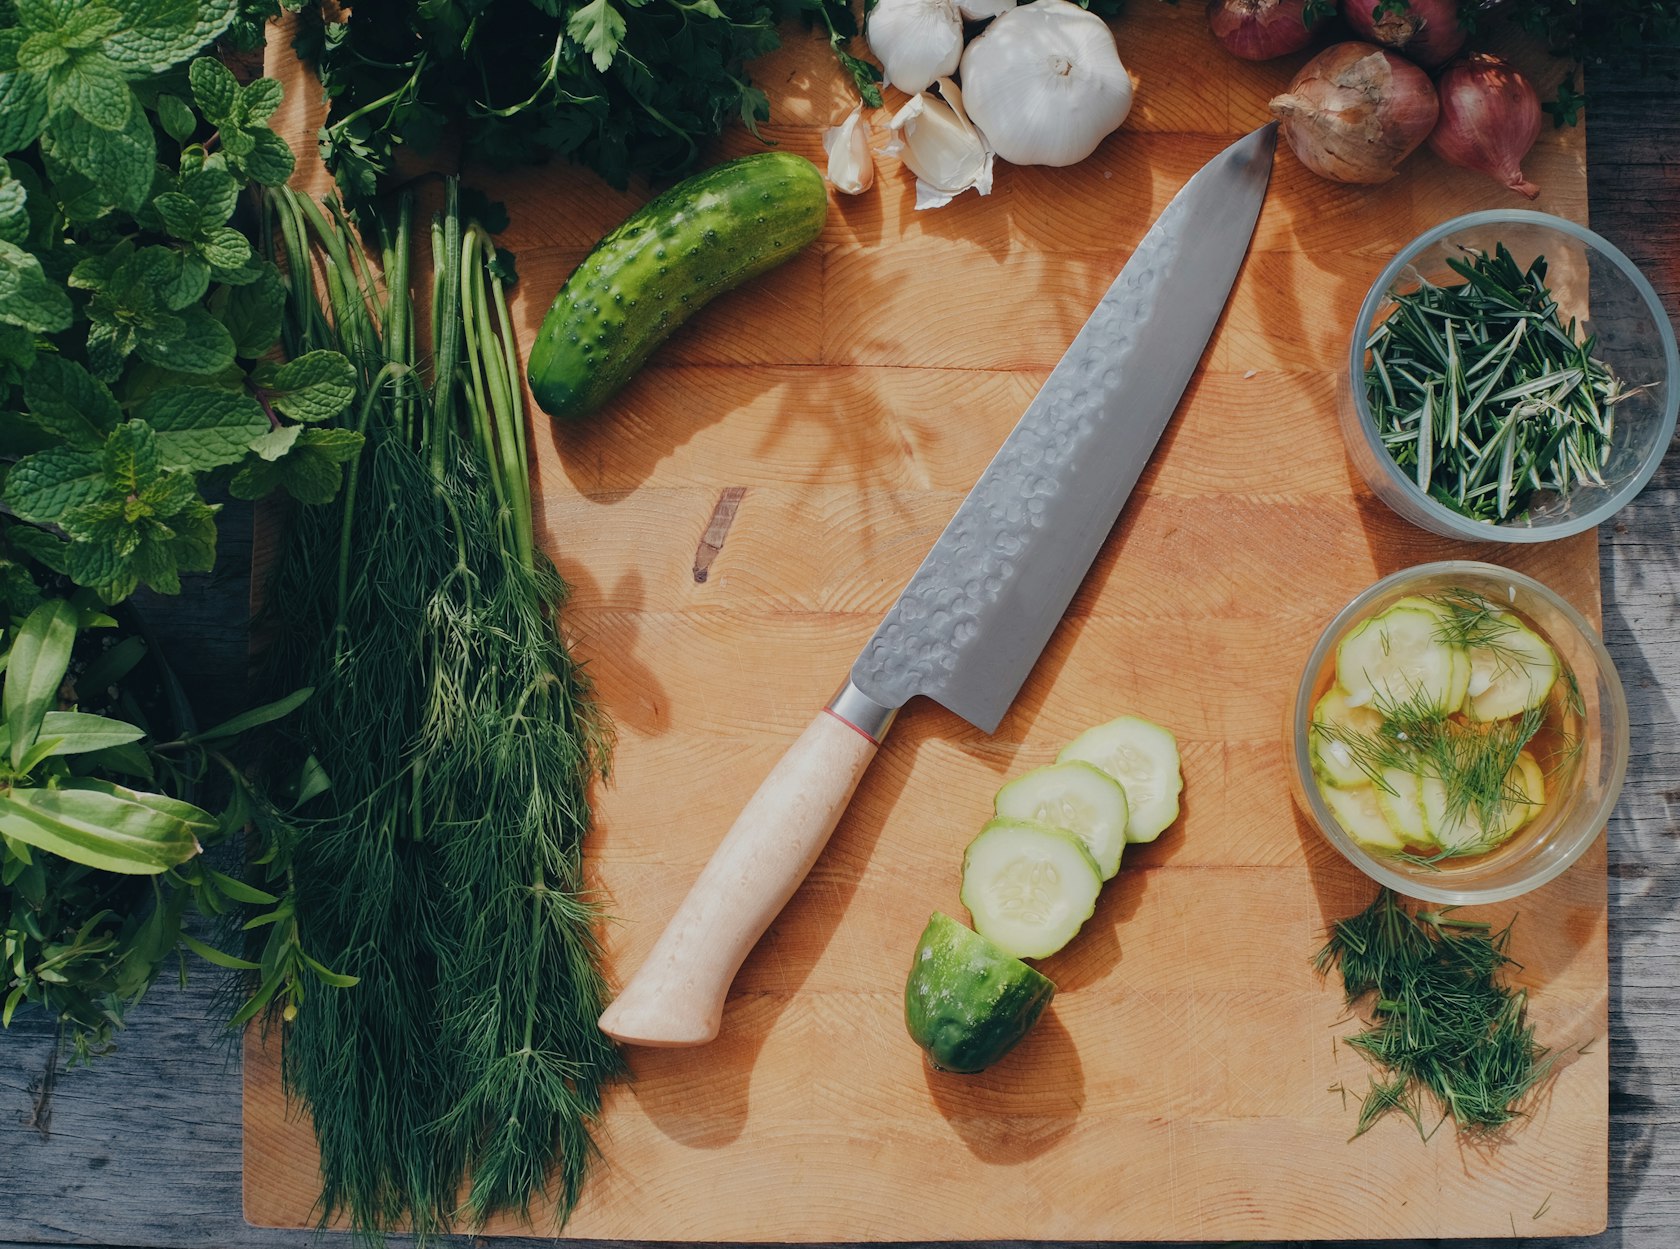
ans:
x=447 y=324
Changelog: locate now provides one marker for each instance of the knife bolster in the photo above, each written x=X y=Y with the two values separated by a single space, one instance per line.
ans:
x=861 y=712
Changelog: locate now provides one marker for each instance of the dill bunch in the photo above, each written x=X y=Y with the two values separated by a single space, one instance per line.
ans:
x=443 y=868
x=1442 y=1022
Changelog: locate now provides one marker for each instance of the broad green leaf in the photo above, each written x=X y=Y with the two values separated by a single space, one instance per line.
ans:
x=225 y=248
x=337 y=980
x=101 y=569
x=258 y=101
x=269 y=161
x=219 y=957
x=39 y=658
x=41 y=53
x=68 y=400
x=120 y=163
x=76 y=733
x=266 y=714
x=176 y=118
x=213 y=189
x=191 y=341
x=23 y=110
x=188 y=282
x=28 y=298
x=274 y=444
x=131 y=457
x=159 y=34
x=311 y=472
x=88 y=25
x=316 y=386
x=94 y=88
x=252 y=313
x=14 y=209
x=42 y=487
x=215 y=90
x=106 y=826
x=179 y=213
x=238 y=890
x=200 y=427
x=600 y=29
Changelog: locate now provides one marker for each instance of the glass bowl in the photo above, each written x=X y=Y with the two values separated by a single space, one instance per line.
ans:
x=1592 y=282
x=1571 y=820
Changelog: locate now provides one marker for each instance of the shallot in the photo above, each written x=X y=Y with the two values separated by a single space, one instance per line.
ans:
x=1355 y=111
x=1428 y=31
x=1490 y=117
x=1258 y=30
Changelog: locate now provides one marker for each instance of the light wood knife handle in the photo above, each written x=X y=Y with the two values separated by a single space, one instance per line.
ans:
x=676 y=998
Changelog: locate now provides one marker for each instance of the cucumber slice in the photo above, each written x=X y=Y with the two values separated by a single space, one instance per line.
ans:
x=1028 y=886
x=1077 y=798
x=967 y=1003
x=1395 y=658
x=1402 y=806
x=1356 y=810
x=1143 y=757
x=1464 y=833
x=1533 y=783
x=1516 y=673
x=1460 y=683
x=1332 y=762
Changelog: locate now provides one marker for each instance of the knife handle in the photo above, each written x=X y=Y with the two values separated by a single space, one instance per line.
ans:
x=677 y=996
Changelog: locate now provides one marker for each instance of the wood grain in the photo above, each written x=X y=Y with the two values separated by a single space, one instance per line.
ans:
x=844 y=405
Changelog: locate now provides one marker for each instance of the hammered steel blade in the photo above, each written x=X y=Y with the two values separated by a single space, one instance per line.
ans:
x=970 y=624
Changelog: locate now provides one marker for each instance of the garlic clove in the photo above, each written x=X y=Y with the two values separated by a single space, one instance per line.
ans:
x=917 y=41
x=980 y=10
x=941 y=146
x=851 y=167
x=1045 y=83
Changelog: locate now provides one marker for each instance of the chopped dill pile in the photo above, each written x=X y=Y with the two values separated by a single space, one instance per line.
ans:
x=1442 y=1024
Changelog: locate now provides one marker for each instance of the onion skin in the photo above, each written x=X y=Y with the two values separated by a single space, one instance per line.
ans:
x=1490 y=118
x=1427 y=31
x=1355 y=111
x=1258 y=30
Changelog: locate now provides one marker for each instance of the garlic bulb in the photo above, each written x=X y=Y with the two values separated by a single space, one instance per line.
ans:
x=917 y=41
x=980 y=10
x=1045 y=84
x=851 y=167
x=936 y=140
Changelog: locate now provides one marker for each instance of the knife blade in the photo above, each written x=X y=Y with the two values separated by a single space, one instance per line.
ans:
x=974 y=617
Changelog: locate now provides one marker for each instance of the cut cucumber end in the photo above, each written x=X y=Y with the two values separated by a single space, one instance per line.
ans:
x=1143 y=757
x=1028 y=886
x=1077 y=798
x=966 y=1002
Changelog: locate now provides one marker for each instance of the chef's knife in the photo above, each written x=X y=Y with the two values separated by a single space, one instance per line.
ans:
x=971 y=622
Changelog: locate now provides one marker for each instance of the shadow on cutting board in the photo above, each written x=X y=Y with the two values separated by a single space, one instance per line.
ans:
x=1021 y=1107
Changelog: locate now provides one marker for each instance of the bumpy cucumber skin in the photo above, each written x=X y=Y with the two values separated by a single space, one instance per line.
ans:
x=967 y=1003
x=704 y=236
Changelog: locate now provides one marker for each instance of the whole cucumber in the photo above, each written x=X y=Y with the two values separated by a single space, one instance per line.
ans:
x=704 y=236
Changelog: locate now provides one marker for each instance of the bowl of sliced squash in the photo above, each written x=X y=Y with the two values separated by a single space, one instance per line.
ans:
x=1459 y=733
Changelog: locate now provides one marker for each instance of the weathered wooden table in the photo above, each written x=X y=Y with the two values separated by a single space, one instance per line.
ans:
x=144 y=1149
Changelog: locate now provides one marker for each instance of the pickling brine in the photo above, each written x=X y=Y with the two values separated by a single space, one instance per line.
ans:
x=1444 y=727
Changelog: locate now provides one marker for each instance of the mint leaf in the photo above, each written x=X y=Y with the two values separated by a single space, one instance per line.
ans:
x=226 y=249
x=14 y=209
x=200 y=427
x=65 y=398
x=42 y=487
x=27 y=297
x=600 y=29
x=274 y=444
x=23 y=110
x=311 y=472
x=215 y=89
x=157 y=35
x=119 y=163
x=316 y=386
x=252 y=313
x=179 y=214
x=176 y=118
x=212 y=188
x=100 y=569
x=189 y=279
x=189 y=341
x=258 y=101
x=269 y=161
x=130 y=458
x=108 y=345
x=94 y=88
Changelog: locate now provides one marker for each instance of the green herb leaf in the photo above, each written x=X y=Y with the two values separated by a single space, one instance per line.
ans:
x=14 y=208
x=94 y=88
x=35 y=668
x=316 y=386
x=599 y=27
x=27 y=298
x=42 y=487
x=23 y=109
x=215 y=90
x=66 y=399
x=252 y=313
x=274 y=444
x=311 y=472
x=76 y=732
x=255 y=717
x=201 y=427
x=190 y=341
x=105 y=826
x=117 y=163
x=157 y=35
x=176 y=118
x=220 y=958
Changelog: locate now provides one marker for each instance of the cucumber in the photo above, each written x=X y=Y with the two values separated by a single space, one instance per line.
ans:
x=1077 y=798
x=704 y=236
x=1361 y=818
x=1401 y=805
x=1395 y=658
x=1510 y=677
x=1143 y=757
x=1332 y=762
x=1463 y=832
x=1028 y=886
x=967 y=1003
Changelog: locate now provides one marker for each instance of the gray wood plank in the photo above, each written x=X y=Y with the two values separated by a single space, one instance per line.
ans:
x=143 y=1149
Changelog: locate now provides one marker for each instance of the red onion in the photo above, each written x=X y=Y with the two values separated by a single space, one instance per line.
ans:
x=1490 y=117
x=1258 y=30
x=1428 y=31
x=1355 y=111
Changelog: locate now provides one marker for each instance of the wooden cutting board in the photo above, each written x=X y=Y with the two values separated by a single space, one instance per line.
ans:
x=733 y=529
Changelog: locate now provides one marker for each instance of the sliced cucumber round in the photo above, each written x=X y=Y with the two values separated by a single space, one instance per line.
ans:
x=1463 y=832
x=1513 y=674
x=1395 y=659
x=1401 y=804
x=1361 y=818
x=966 y=1002
x=1028 y=886
x=1143 y=757
x=1078 y=798
x=1332 y=761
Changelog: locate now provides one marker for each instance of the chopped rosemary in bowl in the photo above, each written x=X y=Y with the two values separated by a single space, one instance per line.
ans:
x=1511 y=377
